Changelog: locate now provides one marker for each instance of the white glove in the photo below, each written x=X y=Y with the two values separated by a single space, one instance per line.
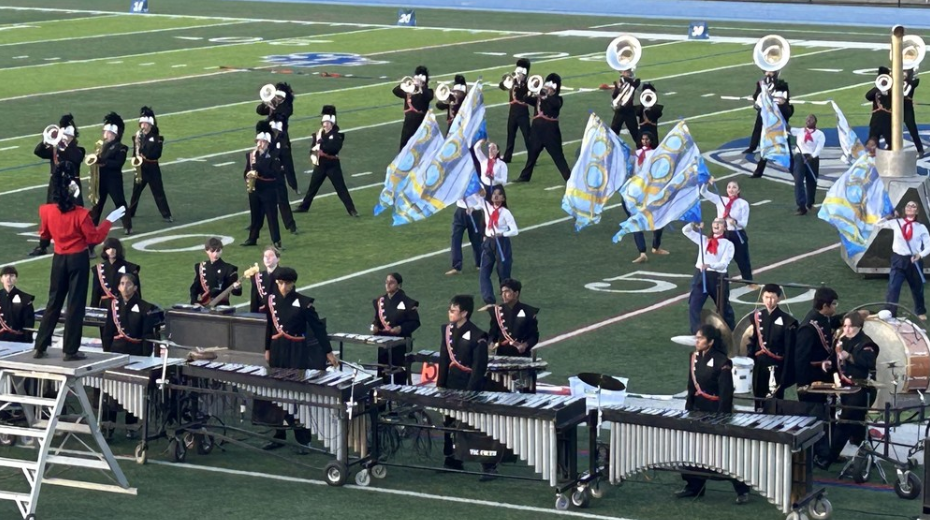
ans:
x=116 y=214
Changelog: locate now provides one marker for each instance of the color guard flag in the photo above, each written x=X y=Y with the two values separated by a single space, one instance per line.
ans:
x=603 y=166
x=444 y=178
x=667 y=187
x=774 y=146
x=420 y=147
x=855 y=202
x=849 y=141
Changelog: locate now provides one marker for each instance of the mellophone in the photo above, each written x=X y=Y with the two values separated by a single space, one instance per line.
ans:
x=771 y=453
x=516 y=374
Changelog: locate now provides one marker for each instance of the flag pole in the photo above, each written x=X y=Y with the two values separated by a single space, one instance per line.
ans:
x=920 y=271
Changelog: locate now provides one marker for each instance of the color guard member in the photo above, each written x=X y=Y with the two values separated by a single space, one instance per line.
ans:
x=396 y=315
x=713 y=259
x=734 y=210
x=16 y=308
x=911 y=244
x=643 y=160
x=214 y=276
x=496 y=248
x=148 y=144
x=519 y=114
x=514 y=330
x=806 y=168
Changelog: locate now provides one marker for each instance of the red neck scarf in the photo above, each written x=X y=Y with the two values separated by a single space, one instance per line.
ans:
x=712 y=243
x=729 y=206
x=908 y=228
x=490 y=171
x=495 y=217
x=641 y=155
x=809 y=135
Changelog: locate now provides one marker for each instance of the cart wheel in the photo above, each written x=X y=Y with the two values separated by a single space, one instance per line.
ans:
x=820 y=509
x=561 y=502
x=860 y=469
x=190 y=440
x=142 y=450
x=363 y=478
x=796 y=515
x=581 y=498
x=204 y=444
x=910 y=488
x=597 y=488
x=378 y=471
x=30 y=516
x=7 y=440
x=336 y=473
x=178 y=450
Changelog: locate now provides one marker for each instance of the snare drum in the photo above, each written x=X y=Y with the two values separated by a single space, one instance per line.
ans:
x=904 y=345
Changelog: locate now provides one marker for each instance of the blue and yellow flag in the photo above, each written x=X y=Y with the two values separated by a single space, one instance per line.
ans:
x=855 y=202
x=603 y=166
x=667 y=188
x=420 y=147
x=444 y=178
x=849 y=141
x=774 y=146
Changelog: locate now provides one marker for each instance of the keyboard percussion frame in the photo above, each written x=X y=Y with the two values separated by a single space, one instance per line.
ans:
x=513 y=373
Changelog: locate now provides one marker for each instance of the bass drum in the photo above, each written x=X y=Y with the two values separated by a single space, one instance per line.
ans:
x=903 y=364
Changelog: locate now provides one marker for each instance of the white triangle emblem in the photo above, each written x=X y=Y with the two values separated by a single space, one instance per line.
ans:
x=521 y=314
x=710 y=362
x=296 y=303
x=467 y=335
x=135 y=308
x=779 y=321
x=401 y=306
x=122 y=269
x=16 y=299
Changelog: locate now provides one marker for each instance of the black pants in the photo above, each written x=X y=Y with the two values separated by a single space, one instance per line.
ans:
x=740 y=241
x=69 y=277
x=301 y=435
x=911 y=124
x=284 y=206
x=111 y=185
x=904 y=270
x=639 y=237
x=151 y=176
x=287 y=162
x=760 y=378
x=806 y=171
x=819 y=409
x=333 y=170
x=519 y=118
x=412 y=121
x=880 y=126
x=263 y=205
x=851 y=432
x=627 y=117
x=395 y=357
x=548 y=136
x=756 y=136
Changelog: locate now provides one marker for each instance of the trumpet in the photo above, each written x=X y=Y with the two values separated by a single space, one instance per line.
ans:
x=443 y=92
x=535 y=84
x=52 y=135
x=267 y=93
x=508 y=80
x=648 y=99
x=408 y=85
x=93 y=195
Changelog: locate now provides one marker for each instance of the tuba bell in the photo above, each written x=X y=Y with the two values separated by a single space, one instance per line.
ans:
x=771 y=53
x=508 y=80
x=267 y=93
x=913 y=51
x=408 y=85
x=443 y=92
x=884 y=82
x=648 y=99
x=624 y=52
x=52 y=135
x=535 y=84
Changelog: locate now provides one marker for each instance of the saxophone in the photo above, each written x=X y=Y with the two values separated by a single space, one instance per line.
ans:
x=91 y=160
x=137 y=158
x=251 y=175
x=315 y=151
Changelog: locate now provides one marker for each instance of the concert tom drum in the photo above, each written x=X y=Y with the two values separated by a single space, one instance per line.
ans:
x=903 y=364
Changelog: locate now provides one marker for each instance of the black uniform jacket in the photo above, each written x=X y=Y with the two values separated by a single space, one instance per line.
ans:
x=710 y=382
x=396 y=311
x=509 y=324
x=16 y=313
x=813 y=346
x=211 y=279
x=105 y=280
x=463 y=357
x=263 y=284
x=294 y=334
x=129 y=324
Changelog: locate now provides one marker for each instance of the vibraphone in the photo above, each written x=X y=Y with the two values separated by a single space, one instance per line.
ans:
x=540 y=429
x=387 y=342
x=771 y=453
x=321 y=401
x=516 y=374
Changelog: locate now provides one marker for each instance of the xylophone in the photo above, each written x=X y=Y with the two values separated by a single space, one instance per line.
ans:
x=771 y=453
x=540 y=429
x=319 y=400
x=516 y=374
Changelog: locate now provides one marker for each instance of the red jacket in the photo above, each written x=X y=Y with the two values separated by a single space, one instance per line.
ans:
x=73 y=231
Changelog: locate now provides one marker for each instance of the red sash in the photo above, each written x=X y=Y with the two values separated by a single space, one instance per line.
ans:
x=202 y=275
x=823 y=341
x=697 y=387
x=728 y=206
x=452 y=360
x=757 y=320
x=277 y=326
x=508 y=339
x=712 y=243
x=385 y=325
x=102 y=279
x=907 y=230
x=120 y=333
x=4 y=327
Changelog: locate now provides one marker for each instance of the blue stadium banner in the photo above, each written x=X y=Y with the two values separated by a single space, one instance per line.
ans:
x=698 y=31
x=407 y=17
x=138 y=6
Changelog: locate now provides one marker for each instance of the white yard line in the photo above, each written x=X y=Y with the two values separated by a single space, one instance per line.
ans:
x=761 y=202
x=60 y=20
x=361 y=174
x=131 y=33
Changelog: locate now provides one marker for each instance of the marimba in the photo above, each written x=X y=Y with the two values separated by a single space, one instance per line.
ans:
x=516 y=374
x=770 y=453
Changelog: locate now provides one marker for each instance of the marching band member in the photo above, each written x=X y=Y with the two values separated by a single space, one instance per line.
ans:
x=73 y=231
x=16 y=309
x=263 y=283
x=463 y=361
x=111 y=159
x=911 y=81
x=295 y=338
x=734 y=210
x=856 y=354
x=710 y=389
x=396 y=315
x=771 y=335
x=214 y=276
x=514 y=330
x=147 y=144
x=263 y=168
x=714 y=256
x=545 y=130
x=622 y=101
x=643 y=155
x=416 y=103
x=519 y=115
x=500 y=227
x=781 y=95
x=880 y=122
x=649 y=116
x=281 y=149
x=454 y=102
x=770 y=78
x=326 y=144
x=806 y=167
x=67 y=149
x=280 y=108
x=911 y=244
x=106 y=274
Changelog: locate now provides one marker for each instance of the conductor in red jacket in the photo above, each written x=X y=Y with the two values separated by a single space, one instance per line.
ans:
x=73 y=231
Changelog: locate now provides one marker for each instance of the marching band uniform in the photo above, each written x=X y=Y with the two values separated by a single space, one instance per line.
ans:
x=401 y=311
x=263 y=284
x=643 y=160
x=500 y=227
x=111 y=160
x=453 y=104
x=781 y=95
x=16 y=313
x=716 y=252
x=149 y=145
x=106 y=275
x=519 y=115
x=327 y=144
x=281 y=109
x=130 y=323
x=649 y=117
x=415 y=104
x=735 y=212
x=71 y=152
x=210 y=279
x=263 y=201
x=546 y=133
x=909 y=236
x=281 y=149
x=769 y=80
x=812 y=349
x=806 y=168
x=880 y=122
x=624 y=112
x=911 y=81
x=771 y=337
x=513 y=324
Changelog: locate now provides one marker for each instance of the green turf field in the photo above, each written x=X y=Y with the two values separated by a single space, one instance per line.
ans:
x=201 y=72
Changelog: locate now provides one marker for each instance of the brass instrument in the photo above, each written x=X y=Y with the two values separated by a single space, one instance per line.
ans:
x=267 y=93
x=52 y=135
x=626 y=92
x=443 y=92
x=624 y=52
x=771 y=53
x=535 y=84
x=508 y=80
x=93 y=194
x=408 y=85
x=136 y=161
x=315 y=151
x=884 y=83
x=648 y=99
x=251 y=176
